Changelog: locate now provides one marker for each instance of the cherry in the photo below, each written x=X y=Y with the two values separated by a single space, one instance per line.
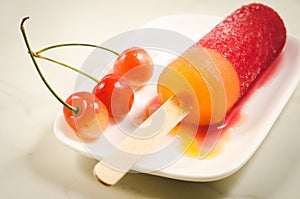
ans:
x=91 y=118
x=116 y=93
x=135 y=64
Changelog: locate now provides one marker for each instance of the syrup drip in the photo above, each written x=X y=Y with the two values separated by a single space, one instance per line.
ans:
x=234 y=118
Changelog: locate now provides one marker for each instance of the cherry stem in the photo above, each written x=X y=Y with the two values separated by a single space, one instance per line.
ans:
x=32 y=55
x=76 y=44
x=65 y=65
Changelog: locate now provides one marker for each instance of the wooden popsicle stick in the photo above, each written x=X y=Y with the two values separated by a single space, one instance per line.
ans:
x=113 y=167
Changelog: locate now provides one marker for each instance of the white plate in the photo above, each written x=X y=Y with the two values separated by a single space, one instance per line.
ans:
x=258 y=113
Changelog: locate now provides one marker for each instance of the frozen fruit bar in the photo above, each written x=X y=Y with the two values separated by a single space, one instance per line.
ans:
x=239 y=48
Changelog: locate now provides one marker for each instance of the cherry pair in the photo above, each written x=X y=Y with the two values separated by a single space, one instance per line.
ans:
x=88 y=113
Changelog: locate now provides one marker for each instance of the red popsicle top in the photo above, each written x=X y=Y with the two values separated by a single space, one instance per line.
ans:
x=250 y=38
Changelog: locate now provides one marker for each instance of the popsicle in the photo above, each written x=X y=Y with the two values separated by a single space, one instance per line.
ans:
x=219 y=69
x=207 y=80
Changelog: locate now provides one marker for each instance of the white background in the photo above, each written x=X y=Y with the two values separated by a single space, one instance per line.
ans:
x=33 y=164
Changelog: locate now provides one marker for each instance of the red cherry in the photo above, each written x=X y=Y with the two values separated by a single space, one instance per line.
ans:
x=135 y=64
x=116 y=93
x=92 y=116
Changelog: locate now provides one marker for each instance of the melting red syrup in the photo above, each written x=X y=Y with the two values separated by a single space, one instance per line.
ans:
x=193 y=144
x=233 y=118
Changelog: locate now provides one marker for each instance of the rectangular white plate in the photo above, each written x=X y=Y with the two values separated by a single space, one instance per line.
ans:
x=259 y=112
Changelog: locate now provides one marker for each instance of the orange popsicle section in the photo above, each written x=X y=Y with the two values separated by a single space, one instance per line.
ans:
x=203 y=79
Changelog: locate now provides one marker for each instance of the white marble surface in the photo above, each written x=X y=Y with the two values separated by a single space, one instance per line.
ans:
x=33 y=164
